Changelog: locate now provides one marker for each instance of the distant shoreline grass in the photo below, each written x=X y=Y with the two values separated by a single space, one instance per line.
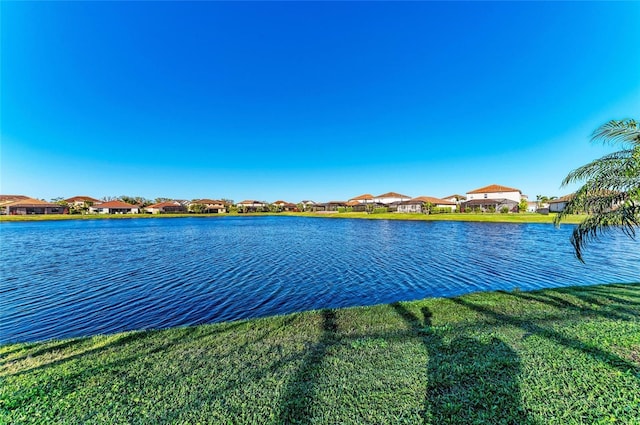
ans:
x=472 y=217
x=555 y=356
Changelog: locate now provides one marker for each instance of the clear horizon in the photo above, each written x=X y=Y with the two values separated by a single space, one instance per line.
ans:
x=308 y=100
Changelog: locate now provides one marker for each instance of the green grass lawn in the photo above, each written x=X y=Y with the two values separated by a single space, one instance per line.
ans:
x=477 y=217
x=563 y=356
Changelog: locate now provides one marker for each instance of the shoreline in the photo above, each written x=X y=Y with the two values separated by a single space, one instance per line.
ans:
x=520 y=218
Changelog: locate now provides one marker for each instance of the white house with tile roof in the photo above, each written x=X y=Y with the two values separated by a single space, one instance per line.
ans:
x=494 y=197
x=415 y=205
x=495 y=191
x=390 y=197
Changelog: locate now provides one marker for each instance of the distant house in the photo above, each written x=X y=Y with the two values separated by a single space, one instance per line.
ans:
x=532 y=206
x=285 y=206
x=363 y=199
x=331 y=206
x=390 y=197
x=458 y=199
x=9 y=199
x=307 y=205
x=168 y=207
x=114 y=207
x=416 y=205
x=494 y=197
x=209 y=206
x=81 y=201
x=28 y=206
x=252 y=206
x=559 y=204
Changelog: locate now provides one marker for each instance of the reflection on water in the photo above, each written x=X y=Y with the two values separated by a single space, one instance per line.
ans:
x=70 y=278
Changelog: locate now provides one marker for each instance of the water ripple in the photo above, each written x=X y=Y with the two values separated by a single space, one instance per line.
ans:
x=65 y=279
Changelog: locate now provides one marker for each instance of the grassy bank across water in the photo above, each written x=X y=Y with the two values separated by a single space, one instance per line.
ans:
x=558 y=356
x=475 y=217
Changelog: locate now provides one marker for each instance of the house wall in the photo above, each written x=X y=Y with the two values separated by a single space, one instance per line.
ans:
x=388 y=201
x=557 y=206
x=453 y=207
x=410 y=208
x=35 y=210
x=513 y=196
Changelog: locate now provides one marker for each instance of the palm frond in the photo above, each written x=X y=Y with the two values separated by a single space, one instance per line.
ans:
x=613 y=163
x=611 y=189
x=618 y=131
x=625 y=218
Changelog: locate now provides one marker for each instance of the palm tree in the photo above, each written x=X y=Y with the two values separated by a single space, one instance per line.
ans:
x=611 y=190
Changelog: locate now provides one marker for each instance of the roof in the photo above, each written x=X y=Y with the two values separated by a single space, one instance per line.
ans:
x=455 y=196
x=31 y=202
x=490 y=202
x=493 y=188
x=250 y=202
x=83 y=199
x=565 y=198
x=12 y=197
x=208 y=201
x=115 y=204
x=165 y=204
x=353 y=203
x=393 y=195
x=306 y=201
x=432 y=200
x=364 y=197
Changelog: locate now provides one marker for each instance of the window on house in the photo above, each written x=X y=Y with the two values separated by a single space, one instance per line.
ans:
x=485 y=196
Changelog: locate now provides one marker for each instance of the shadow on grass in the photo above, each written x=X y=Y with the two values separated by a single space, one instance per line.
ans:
x=595 y=304
x=469 y=381
x=529 y=326
x=125 y=339
x=300 y=392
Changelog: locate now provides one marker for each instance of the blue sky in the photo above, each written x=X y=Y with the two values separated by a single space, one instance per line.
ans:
x=305 y=100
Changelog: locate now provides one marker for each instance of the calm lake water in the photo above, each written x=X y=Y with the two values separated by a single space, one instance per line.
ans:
x=71 y=278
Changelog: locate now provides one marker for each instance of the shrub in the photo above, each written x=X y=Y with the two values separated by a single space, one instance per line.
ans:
x=504 y=210
x=380 y=210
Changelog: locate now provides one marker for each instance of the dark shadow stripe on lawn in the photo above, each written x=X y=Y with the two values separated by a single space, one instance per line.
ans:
x=604 y=309
x=299 y=396
x=528 y=326
x=469 y=381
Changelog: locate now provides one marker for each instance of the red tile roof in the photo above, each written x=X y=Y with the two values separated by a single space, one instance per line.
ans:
x=31 y=202
x=250 y=202
x=455 y=196
x=565 y=198
x=12 y=197
x=494 y=188
x=393 y=195
x=83 y=199
x=208 y=202
x=165 y=204
x=365 y=197
x=432 y=200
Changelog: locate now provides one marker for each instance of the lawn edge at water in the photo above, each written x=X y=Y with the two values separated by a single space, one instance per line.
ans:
x=561 y=346
x=467 y=217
